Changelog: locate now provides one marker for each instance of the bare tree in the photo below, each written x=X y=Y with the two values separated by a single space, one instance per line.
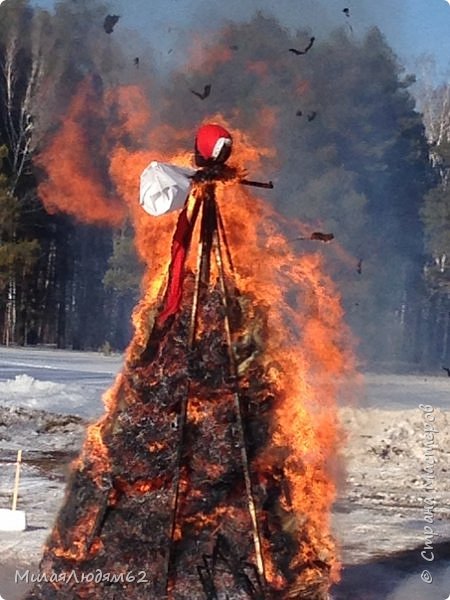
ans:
x=434 y=103
x=20 y=72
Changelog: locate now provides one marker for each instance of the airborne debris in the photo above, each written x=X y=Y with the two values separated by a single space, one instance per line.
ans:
x=317 y=236
x=322 y=237
x=308 y=47
x=204 y=94
x=109 y=23
x=359 y=267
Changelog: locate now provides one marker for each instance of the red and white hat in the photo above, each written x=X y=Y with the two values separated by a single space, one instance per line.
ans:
x=213 y=141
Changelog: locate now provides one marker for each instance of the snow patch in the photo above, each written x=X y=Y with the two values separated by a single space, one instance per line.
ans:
x=73 y=399
x=24 y=384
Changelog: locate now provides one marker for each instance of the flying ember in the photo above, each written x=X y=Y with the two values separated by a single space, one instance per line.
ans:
x=210 y=476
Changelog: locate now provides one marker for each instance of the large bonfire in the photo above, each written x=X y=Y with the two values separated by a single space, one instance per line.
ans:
x=211 y=473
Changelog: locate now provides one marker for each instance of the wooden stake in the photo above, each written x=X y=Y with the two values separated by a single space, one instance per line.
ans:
x=198 y=271
x=239 y=413
x=223 y=235
x=212 y=235
x=185 y=402
x=16 y=482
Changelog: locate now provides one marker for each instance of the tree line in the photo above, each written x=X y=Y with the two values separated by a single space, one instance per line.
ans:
x=61 y=282
x=355 y=154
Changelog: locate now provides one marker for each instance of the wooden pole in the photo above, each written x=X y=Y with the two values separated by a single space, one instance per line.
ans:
x=16 y=482
x=223 y=235
x=211 y=232
x=240 y=418
x=201 y=258
x=208 y=225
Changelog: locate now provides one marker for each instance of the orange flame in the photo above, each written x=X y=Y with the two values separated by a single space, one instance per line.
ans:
x=308 y=346
x=307 y=353
x=76 y=182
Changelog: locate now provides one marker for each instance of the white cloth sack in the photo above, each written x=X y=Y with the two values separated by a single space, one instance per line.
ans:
x=164 y=188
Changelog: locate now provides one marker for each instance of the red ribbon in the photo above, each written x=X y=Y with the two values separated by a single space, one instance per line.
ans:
x=180 y=246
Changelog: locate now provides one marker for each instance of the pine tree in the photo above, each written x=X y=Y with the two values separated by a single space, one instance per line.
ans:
x=123 y=282
x=18 y=256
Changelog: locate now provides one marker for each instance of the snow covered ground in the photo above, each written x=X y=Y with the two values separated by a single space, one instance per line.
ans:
x=54 y=380
x=47 y=397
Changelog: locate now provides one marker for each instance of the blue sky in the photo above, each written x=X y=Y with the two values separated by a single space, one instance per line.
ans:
x=411 y=27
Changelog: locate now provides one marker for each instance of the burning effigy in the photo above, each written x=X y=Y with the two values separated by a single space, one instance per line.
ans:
x=210 y=476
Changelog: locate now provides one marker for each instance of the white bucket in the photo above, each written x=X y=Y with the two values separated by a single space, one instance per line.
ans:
x=12 y=520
